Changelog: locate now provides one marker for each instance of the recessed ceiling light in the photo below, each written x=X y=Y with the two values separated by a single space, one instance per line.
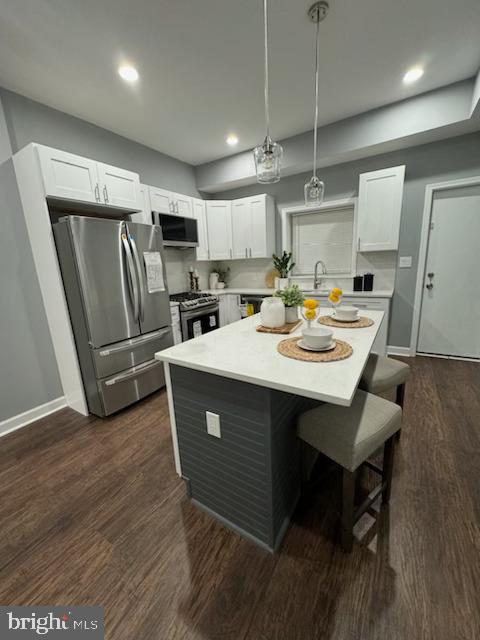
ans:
x=232 y=139
x=128 y=73
x=412 y=75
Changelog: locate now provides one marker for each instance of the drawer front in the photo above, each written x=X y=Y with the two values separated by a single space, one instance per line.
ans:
x=129 y=386
x=130 y=353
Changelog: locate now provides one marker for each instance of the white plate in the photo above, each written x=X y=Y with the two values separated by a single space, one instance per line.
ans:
x=342 y=320
x=303 y=345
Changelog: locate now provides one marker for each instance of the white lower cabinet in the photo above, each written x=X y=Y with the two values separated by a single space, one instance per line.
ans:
x=229 y=308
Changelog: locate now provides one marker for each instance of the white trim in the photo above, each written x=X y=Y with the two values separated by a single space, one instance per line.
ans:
x=173 y=424
x=422 y=254
x=442 y=357
x=399 y=351
x=286 y=212
x=27 y=417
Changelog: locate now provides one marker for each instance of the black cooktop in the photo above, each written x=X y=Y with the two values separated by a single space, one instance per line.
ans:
x=188 y=295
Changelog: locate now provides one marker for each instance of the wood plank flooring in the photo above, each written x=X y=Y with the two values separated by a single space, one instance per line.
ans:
x=92 y=512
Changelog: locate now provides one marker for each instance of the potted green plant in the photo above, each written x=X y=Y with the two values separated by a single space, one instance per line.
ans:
x=292 y=297
x=283 y=264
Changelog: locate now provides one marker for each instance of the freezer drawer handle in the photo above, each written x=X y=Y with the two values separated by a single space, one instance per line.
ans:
x=132 y=280
x=133 y=374
x=140 y=276
x=135 y=342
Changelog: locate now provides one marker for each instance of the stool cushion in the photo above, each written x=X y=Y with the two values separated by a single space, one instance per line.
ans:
x=382 y=373
x=349 y=435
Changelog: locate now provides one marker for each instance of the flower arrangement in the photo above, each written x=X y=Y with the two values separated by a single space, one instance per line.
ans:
x=335 y=297
x=283 y=264
x=311 y=309
x=291 y=296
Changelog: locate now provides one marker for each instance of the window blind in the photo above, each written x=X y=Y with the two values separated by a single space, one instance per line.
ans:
x=323 y=235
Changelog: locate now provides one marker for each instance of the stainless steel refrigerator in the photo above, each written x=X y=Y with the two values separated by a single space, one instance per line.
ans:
x=116 y=289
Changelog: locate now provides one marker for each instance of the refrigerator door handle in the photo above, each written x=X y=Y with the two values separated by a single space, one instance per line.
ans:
x=135 y=342
x=132 y=280
x=134 y=373
x=140 y=276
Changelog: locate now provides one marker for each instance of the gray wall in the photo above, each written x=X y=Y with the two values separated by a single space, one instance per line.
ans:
x=446 y=160
x=28 y=372
x=29 y=121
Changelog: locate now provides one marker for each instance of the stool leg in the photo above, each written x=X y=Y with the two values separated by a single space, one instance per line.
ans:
x=348 y=507
x=400 y=399
x=388 y=456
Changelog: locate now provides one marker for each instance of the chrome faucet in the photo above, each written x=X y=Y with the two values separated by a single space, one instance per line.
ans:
x=318 y=280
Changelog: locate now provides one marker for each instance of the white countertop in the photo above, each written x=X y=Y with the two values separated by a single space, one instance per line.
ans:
x=380 y=293
x=238 y=351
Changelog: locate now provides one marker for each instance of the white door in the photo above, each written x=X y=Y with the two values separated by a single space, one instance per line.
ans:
x=161 y=200
x=200 y=214
x=241 y=228
x=145 y=215
x=219 y=227
x=183 y=205
x=259 y=228
x=68 y=176
x=380 y=195
x=119 y=187
x=449 y=320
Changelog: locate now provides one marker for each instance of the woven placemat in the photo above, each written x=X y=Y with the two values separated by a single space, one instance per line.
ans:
x=361 y=323
x=285 y=328
x=290 y=349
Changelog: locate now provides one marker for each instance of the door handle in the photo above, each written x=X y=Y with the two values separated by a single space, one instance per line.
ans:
x=358 y=244
x=430 y=275
x=105 y=193
x=140 y=276
x=135 y=342
x=246 y=252
x=143 y=368
x=250 y=252
x=429 y=286
x=132 y=280
x=97 y=193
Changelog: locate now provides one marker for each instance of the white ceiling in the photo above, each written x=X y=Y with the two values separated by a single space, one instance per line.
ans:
x=200 y=63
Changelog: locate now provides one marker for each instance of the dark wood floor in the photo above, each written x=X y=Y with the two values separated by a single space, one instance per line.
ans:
x=92 y=513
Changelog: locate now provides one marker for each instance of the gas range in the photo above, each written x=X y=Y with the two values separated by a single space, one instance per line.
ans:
x=190 y=300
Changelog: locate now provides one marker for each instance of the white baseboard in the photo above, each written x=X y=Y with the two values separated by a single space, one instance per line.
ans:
x=17 y=422
x=399 y=351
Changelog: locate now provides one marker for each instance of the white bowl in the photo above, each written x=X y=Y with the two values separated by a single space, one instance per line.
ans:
x=317 y=337
x=346 y=313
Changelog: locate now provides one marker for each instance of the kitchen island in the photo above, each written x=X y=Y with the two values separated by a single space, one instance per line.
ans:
x=245 y=470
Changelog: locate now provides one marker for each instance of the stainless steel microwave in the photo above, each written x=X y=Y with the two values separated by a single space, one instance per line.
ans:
x=177 y=231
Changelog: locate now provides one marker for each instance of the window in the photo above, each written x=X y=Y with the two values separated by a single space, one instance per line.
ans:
x=325 y=234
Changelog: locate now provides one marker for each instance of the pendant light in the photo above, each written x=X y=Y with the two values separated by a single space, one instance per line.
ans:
x=315 y=189
x=267 y=156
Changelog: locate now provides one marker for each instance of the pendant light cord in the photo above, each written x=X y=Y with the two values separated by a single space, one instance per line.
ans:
x=317 y=48
x=265 y=26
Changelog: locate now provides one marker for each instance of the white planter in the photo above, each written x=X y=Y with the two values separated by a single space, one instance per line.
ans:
x=291 y=314
x=283 y=283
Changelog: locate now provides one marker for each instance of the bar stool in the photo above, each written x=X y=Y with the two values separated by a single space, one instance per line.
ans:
x=348 y=436
x=382 y=374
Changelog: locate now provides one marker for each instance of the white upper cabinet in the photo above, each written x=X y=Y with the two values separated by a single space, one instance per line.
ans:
x=67 y=176
x=380 y=196
x=241 y=228
x=145 y=215
x=253 y=227
x=200 y=214
x=164 y=201
x=119 y=188
x=219 y=226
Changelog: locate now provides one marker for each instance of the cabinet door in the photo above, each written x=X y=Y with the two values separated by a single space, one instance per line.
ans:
x=145 y=215
x=241 y=228
x=379 y=208
x=68 y=176
x=219 y=226
x=183 y=205
x=259 y=245
x=233 y=303
x=200 y=214
x=119 y=187
x=161 y=200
